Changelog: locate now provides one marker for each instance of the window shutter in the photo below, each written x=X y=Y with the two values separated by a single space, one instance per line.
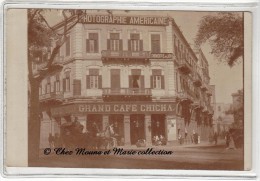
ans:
x=120 y=45
x=142 y=81
x=69 y=84
x=64 y=85
x=130 y=81
x=96 y=46
x=87 y=45
x=129 y=45
x=87 y=82
x=141 y=45
x=162 y=83
x=76 y=87
x=54 y=89
x=108 y=44
x=151 y=81
x=68 y=46
x=100 y=81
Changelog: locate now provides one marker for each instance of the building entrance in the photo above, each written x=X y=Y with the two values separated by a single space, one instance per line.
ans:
x=94 y=124
x=117 y=120
x=136 y=128
x=158 y=125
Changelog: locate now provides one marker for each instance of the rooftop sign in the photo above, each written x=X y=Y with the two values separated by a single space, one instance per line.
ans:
x=125 y=20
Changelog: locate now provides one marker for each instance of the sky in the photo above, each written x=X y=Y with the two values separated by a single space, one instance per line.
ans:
x=226 y=80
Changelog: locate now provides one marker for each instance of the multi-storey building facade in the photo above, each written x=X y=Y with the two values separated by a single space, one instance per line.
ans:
x=137 y=72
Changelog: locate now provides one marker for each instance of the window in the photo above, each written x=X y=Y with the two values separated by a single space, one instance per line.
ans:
x=66 y=82
x=157 y=82
x=155 y=43
x=92 y=43
x=157 y=79
x=114 y=43
x=57 y=84
x=68 y=46
x=136 y=80
x=94 y=80
x=135 y=44
x=48 y=86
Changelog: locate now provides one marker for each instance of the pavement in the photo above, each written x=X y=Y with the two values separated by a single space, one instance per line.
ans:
x=187 y=156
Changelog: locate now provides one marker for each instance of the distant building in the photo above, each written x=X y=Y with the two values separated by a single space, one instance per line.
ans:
x=223 y=118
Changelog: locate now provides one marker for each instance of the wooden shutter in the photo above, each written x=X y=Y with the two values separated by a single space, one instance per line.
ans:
x=96 y=46
x=87 y=45
x=76 y=87
x=151 y=82
x=141 y=45
x=130 y=81
x=100 y=81
x=162 y=83
x=120 y=45
x=54 y=89
x=108 y=44
x=142 y=81
x=129 y=45
x=68 y=46
x=87 y=82
x=64 y=85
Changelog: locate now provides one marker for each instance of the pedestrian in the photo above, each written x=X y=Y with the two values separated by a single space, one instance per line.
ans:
x=215 y=138
x=51 y=140
x=180 y=139
x=227 y=138
x=186 y=135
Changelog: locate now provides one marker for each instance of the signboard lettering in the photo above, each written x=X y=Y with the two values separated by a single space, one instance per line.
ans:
x=113 y=108
x=125 y=20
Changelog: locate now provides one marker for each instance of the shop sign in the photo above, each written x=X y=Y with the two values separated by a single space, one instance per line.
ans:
x=161 y=55
x=125 y=20
x=114 y=108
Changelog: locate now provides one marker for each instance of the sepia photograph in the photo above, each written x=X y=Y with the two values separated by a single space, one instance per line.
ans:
x=131 y=89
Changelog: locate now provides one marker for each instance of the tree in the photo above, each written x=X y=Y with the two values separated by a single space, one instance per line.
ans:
x=224 y=32
x=40 y=38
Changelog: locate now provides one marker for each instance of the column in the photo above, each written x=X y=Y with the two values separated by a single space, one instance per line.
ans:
x=171 y=127
x=105 y=121
x=147 y=128
x=127 y=130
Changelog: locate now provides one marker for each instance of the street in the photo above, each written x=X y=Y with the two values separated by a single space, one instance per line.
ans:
x=207 y=157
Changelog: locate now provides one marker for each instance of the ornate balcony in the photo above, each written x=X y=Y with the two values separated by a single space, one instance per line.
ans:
x=184 y=96
x=125 y=56
x=197 y=81
x=53 y=96
x=184 y=66
x=204 y=87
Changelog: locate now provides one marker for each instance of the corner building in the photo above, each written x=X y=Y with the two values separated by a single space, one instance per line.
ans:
x=137 y=72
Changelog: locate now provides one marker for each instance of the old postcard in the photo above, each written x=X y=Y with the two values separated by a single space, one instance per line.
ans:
x=129 y=89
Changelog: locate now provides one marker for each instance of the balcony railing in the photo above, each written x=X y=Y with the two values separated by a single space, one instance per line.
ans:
x=184 y=96
x=51 y=96
x=41 y=65
x=127 y=91
x=197 y=81
x=125 y=56
x=204 y=87
x=184 y=66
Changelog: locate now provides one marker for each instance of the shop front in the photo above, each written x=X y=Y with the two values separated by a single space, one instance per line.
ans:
x=130 y=122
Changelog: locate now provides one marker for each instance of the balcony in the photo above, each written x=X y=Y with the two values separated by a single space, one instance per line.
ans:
x=53 y=96
x=109 y=56
x=197 y=81
x=58 y=60
x=123 y=94
x=184 y=67
x=184 y=96
x=204 y=87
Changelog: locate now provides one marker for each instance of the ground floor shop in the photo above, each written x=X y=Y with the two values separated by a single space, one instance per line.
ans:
x=127 y=122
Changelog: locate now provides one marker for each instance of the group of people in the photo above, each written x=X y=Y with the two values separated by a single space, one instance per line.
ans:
x=159 y=140
x=72 y=136
x=194 y=138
